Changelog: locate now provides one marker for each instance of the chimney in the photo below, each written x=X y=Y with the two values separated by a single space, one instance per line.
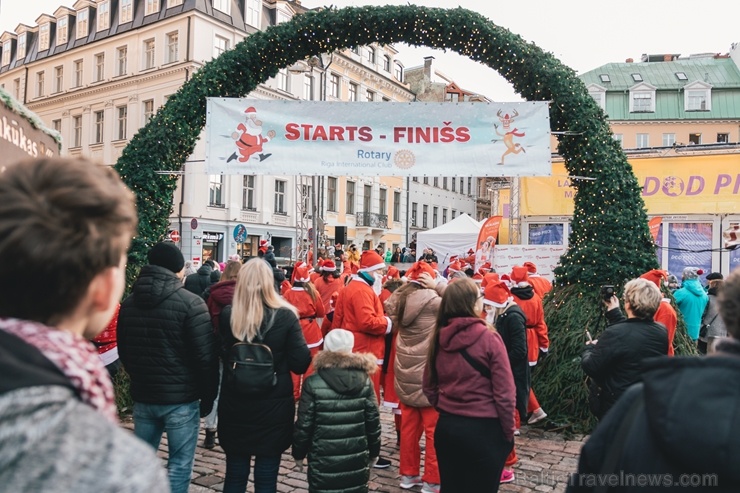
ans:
x=667 y=58
x=629 y=60
x=428 y=67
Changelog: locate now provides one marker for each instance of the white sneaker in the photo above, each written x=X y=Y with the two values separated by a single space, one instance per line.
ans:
x=517 y=432
x=430 y=488
x=537 y=416
x=408 y=482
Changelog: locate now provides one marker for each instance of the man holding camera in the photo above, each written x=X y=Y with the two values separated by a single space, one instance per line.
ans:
x=614 y=362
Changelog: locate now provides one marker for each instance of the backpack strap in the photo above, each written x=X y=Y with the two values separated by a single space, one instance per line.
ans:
x=260 y=336
x=480 y=367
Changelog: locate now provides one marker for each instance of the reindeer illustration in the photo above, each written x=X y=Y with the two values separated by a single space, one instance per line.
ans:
x=508 y=135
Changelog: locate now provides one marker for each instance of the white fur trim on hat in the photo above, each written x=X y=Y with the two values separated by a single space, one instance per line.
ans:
x=372 y=268
x=497 y=305
x=339 y=341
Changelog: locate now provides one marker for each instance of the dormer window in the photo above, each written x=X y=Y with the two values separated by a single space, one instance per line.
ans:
x=21 y=47
x=637 y=77
x=222 y=5
x=642 y=98
x=698 y=96
x=103 y=16
x=126 y=10
x=254 y=13
x=152 y=7
x=604 y=78
x=599 y=94
x=681 y=76
x=398 y=72
x=44 y=37
x=62 y=30
x=82 y=23
x=7 y=46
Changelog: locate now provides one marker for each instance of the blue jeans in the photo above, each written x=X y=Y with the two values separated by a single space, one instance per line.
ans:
x=181 y=422
x=237 y=473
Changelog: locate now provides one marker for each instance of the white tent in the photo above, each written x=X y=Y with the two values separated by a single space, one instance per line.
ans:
x=453 y=238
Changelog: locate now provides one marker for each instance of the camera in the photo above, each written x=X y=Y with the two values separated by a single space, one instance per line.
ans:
x=607 y=292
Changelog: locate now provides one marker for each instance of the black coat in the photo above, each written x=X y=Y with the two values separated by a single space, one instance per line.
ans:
x=198 y=282
x=689 y=425
x=166 y=341
x=512 y=326
x=338 y=425
x=616 y=361
x=264 y=425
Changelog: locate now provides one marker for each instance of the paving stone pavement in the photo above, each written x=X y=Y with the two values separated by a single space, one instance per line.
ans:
x=545 y=461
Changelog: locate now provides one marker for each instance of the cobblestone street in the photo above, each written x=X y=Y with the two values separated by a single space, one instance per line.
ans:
x=545 y=461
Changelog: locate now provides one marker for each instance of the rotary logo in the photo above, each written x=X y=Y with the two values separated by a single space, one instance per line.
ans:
x=673 y=186
x=404 y=159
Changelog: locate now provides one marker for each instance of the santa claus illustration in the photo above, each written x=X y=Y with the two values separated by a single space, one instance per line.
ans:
x=249 y=138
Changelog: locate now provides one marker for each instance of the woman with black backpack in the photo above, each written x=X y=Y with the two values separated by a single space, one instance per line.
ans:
x=258 y=422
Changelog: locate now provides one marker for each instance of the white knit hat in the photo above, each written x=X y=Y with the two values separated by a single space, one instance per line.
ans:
x=339 y=341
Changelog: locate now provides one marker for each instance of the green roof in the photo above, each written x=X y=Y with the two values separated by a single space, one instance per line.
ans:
x=721 y=73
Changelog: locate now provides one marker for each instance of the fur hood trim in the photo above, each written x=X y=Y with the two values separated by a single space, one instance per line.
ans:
x=358 y=361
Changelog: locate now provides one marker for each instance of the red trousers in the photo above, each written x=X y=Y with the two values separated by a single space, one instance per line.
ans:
x=415 y=421
x=298 y=379
x=512 y=458
x=532 y=405
x=375 y=379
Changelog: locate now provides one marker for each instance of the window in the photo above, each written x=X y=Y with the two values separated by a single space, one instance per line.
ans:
x=334 y=81
x=39 y=84
x=619 y=138
x=220 y=44
x=248 y=193
x=367 y=197
x=642 y=102
x=669 y=140
x=350 y=205
x=122 y=60
x=282 y=17
x=331 y=194
x=282 y=79
x=148 y=54
x=470 y=187
x=424 y=215
x=308 y=92
x=21 y=52
x=396 y=206
x=370 y=55
x=59 y=79
x=152 y=7
x=254 y=13
x=599 y=97
x=434 y=216
x=444 y=183
x=694 y=138
x=99 y=67
x=398 y=72
x=122 y=113
x=17 y=88
x=352 y=91
x=44 y=37
x=279 y=197
x=454 y=184
x=370 y=95
x=99 y=117
x=172 y=47
x=103 y=16
x=425 y=180
x=78 y=73
x=126 y=11
x=77 y=125
x=387 y=63
x=681 y=76
x=697 y=101
x=222 y=5
x=173 y=3
x=444 y=216
x=415 y=179
x=414 y=207
x=643 y=140
x=356 y=50
x=383 y=201
x=453 y=214
x=306 y=195
x=6 y=52
x=215 y=190
x=604 y=78
x=435 y=182
x=82 y=18
x=62 y=30
x=385 y=99
x=723 y=138
x=56 y=125
x=637 y=77
x=148 y=110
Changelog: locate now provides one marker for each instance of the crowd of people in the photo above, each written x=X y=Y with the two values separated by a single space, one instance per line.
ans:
x=328 y=343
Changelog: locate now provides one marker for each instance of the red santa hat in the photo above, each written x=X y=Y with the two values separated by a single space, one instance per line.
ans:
x=519 y=274
x=506 y=278
x=300 y=274
x=655 y=276
x=295 y=270
x=531 y=268
x=393 y=273
x=453 y=259
x=419 y=268
x=371 y=261
x=328 y=266
x=489 y=278
x=496 y=294
x=455 y=266
x=250 y=111
x=484 y=269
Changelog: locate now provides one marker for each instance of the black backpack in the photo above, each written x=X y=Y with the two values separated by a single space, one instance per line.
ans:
x=250 y=368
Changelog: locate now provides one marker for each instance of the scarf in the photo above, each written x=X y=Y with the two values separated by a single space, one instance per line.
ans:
x=75 y=356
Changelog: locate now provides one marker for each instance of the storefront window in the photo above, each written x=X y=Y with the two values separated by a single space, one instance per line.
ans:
x=689 y=245
x=249 y=248
x=212 y=246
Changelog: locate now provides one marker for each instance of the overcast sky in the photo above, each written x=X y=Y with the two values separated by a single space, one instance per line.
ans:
x=613 y=32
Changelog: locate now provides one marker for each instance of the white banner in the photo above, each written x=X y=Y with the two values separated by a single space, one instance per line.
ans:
x=545 y=257
x=250 y=136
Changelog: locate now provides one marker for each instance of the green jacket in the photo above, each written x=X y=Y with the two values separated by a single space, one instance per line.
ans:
x=338 y=425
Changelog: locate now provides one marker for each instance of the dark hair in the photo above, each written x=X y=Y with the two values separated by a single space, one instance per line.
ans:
x=210 y=262
x=459 y=300
x=333 y=273
x=62 y=222
x=729 y=303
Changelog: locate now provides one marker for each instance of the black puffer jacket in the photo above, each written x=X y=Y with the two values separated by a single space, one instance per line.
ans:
x=512 y=325
x=616 y=361
x=166 y=342
x=198 y=282
x=264 y=425
x=338 y=424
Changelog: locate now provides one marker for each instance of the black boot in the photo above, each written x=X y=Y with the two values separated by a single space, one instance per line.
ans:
x=210 y=440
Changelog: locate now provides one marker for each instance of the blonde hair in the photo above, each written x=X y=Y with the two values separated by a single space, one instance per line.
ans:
x=255 y=290
x=643 y=296
x=231 y=270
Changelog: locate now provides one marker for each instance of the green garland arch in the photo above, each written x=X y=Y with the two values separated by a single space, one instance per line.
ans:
x=609 y=242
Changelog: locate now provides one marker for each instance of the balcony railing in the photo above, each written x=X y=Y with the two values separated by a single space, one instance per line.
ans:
x=372 y=220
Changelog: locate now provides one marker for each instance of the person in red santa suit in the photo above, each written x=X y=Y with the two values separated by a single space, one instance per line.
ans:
x=537 y=339
x=307 y=300
x=360 y=311
x=470 y=259
x=541 y=285
x=107 y=345
x=666 y=314
x=328 y=283
x=391 y=282
x=482 y=271
x=249 y=138
x=455 y=271
x=489 y=278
